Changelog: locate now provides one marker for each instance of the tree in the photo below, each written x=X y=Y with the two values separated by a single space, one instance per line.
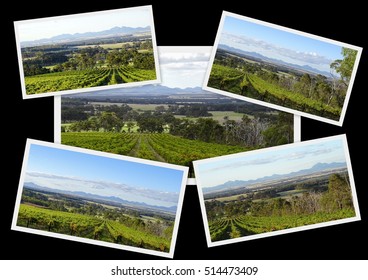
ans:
x=130 y=125
x=146 y=45
x=339 y=192
x=110 y=122
x=345 y=66
x=305 y=85
x=150 y=123
x=209 y=130
x=160 y=109
x=281 y=132
x=115 y=59
x=249 y=131
x=323 y=89
x=30 y=69
x=143 y=61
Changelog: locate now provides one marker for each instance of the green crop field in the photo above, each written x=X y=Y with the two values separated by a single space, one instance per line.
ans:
x=146 y=107
x=246 y=225
x=161 y=147
x=68 y=80
x=250 y=85
x=88 y=227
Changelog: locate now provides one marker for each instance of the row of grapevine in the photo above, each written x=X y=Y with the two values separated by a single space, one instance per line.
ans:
x=183 y=151
x=134 y=75
x=57 y=221
x=288 y=98
x=219 y=230
x=75 y=79
x=88 y=227
x=145 y=150
x=124 y=235
x=250 y=85
x=66 y=80
x=225 y=78
x=248 y=225
x=115 y=78
x=161 y=147
x=121 y=143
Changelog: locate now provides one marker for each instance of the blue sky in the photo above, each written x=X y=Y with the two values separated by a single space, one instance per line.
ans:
x=278 y=44
x=95 y=174
x=266 y=163
x=47 y=28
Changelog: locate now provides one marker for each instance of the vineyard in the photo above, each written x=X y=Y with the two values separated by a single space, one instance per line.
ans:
x=88 y=227
x=228 y=228
x=156 y=146
x=250 y=85
x=68 y=80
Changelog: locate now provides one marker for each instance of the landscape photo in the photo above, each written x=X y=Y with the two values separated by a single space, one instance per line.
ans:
x=282 y=68
x=175 y=122
x=99 y=198
x=78 y=53
x=277 y=190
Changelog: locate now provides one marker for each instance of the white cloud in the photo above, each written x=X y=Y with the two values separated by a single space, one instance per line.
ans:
x=169 y=58
x=276 y=52
x=123 y=191
x=183 y=70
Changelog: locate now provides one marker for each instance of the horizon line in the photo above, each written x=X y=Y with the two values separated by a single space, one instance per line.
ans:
x=278 y=174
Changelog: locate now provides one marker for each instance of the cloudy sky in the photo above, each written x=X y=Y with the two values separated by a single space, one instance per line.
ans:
x=278 y=44
x=90 y=22
x=183 y=69
x=254 y=165
x=74 y=171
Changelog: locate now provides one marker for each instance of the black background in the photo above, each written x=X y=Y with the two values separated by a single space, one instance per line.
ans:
x=187 y=24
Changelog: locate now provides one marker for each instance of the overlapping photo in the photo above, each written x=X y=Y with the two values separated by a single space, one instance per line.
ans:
x=99 y=198
x=277 y=190
x=82 y=52
x=282 y=68
x=176 y=121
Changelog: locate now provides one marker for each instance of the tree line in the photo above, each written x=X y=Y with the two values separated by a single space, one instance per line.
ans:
x=256 y=131
x=48 y=60
x=337 y=196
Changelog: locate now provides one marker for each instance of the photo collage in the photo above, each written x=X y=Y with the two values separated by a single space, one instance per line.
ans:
x=135 y=124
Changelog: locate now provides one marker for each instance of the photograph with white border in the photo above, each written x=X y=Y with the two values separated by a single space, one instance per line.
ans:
x=99 y=198
x=81 y=52
x=277 y=190
x=175 y=122
x=282 y=68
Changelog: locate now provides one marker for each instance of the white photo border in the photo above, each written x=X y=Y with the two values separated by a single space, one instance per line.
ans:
x=271 y=105
x=81 y=90
x=31 y=142
x=211 y=243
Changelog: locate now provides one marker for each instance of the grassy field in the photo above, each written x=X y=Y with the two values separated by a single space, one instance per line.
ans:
x=216 y=115
x=219 y=115
x=146 y=107
x=228 y=198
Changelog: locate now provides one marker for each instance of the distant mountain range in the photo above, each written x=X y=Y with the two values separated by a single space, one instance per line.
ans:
x=68 y=38
x=303 y=68
x=100 y=198
x=319 y=167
